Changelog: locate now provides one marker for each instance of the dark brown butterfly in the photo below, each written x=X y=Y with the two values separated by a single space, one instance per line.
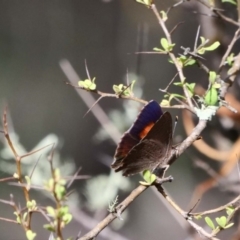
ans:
x=147 y=144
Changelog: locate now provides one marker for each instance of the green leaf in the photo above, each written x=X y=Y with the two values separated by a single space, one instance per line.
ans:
x=116 y=89
x=18 y=219
x=229 y=225
x=158 y=50
x=190 y=87
x=175 y=95
x=60 y=191
x=212 y=77
x=230 y=1
x=88 y=84
x=216 y=85
x=51 y=211
x=25 y=216
x=67 y=218
x=28 y=180
x=31 y=205
x=189 y=62
x=132 y=84
x=211 y=98
x=198 y=217
x=212 y=47
x=229 y=210
x=164 y=16
x=123 y=90
x=230 y=59
x=203 y=40
x=30 y=235
x=145 y=2
x=209 y=222
x=164 y=43
x=63 y=210
x=221 y=221
x=149 y=177
x=178 y=84
x=201 y=51
x=165 y=103
x=49 y=227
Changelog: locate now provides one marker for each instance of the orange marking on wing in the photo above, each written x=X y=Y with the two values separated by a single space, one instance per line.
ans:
x=145 y=131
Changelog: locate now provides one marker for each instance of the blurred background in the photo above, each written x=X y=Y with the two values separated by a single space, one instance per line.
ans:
x=35 y=36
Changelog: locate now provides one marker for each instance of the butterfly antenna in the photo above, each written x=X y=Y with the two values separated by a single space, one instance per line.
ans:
x=175 y=124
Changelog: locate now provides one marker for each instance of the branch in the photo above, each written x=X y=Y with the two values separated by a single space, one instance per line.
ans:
x=111 y=216
x=171 y=55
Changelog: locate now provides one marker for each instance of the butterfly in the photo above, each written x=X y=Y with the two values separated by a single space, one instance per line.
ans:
x=147 y=145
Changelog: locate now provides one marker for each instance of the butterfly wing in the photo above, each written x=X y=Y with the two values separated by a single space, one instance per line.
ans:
x=142 y=125
x=153 y=151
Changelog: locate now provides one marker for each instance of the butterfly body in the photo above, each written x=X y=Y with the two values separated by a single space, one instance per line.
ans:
x=147 y=144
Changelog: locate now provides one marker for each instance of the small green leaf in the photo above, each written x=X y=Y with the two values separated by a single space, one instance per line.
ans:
x=123 y=90
x=62 y=211
x=229 y=210
x=165 y=103
x=212 y=77
x=25 y=216
x=164 y=43
x=31 y=205
x=88 y=84
x=230 y=59
x=28 y=180
x=212 y=47
x=30 y=235
x=18 y=219
x=190 y=88
x=67 y=218
x=132 y=84
x=51 y=211
x=221 y=221
x=209 y=222
x=216 y=85
x=175 y=95
x=211 y=98
x=57 y=174
x=116 y=89
x=60 y=191
x=49 y=227
x=145 y=2
x=189 y=62
x=230 y=1
x=201 y=51
x=158 y=49
x=203 y=40
x=229 y=225
x=149 y=177
x=164 y=16
x=198 y=217
x=178 y=84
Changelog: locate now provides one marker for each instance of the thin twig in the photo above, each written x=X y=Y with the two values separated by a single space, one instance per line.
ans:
x=229 y=49
x=171 y=55
x=119 y=209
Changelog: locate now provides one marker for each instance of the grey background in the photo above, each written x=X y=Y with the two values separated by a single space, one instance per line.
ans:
x=34 y=37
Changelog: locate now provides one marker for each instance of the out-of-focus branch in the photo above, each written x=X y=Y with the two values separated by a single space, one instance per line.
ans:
x=218 y=12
